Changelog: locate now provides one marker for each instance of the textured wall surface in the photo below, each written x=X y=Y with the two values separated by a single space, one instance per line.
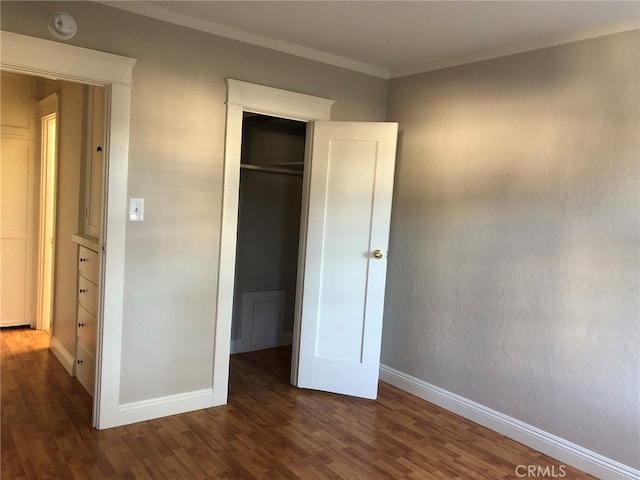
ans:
x=513 y=274
x=175 y=164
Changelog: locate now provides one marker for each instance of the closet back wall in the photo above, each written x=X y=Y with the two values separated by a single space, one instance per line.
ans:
x=269 y=215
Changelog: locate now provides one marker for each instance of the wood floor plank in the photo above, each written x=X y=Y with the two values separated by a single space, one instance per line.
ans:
x=269 y=430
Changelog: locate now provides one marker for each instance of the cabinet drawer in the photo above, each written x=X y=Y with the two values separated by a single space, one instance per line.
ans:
x=88 y=294
x=85 y=368
x=88 y=263
x=86 y=330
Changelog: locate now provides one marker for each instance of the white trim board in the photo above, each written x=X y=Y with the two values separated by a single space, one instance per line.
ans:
x=556 y=447
x=164 y=406
x=34 y=56
x=62 y=354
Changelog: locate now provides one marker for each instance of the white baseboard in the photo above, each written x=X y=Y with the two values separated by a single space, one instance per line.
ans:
x=556 y=447
x=164 y=406
x=67 y=360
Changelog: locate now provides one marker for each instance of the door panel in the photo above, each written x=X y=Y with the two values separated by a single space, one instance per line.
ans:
x=17 y=164
x=95 y=161
x=348 y=210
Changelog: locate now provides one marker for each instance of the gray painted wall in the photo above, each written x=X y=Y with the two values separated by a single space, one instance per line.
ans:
x=514 y=274
x=513 y=278
x=175 y=164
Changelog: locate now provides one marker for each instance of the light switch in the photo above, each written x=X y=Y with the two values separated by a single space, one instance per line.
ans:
x=136 y=209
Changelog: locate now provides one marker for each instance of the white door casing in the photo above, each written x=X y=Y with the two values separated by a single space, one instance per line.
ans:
x=248 y=97
x=348 y=207
x=245 y=97
x=34 y=56
x=48 y=108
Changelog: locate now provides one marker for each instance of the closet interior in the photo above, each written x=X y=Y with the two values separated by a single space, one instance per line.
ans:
x=270 y=197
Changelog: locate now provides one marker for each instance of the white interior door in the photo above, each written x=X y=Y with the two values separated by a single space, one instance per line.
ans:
x=343 y=260
x=48 y=163
x=18 y=237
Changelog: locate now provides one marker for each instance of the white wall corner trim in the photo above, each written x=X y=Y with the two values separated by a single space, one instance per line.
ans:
x=164 y=406
x=556 y=447
x=62 y=354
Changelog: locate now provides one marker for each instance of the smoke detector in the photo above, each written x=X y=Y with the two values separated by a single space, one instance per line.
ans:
x=62 y=25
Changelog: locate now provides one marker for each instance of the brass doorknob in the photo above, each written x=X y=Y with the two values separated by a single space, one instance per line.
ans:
x=377 y=254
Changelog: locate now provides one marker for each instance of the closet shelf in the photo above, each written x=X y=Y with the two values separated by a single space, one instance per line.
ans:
x=271 y=169
x=286 y=164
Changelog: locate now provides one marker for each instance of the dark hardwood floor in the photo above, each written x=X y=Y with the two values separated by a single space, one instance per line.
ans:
x=269 y=430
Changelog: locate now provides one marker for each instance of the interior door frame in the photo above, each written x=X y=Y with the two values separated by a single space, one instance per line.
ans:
x=35 y=56
x=47 y=107
x=245 y=97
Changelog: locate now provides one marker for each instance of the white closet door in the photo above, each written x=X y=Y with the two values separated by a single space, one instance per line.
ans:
x=17 y=199
x=344 y=256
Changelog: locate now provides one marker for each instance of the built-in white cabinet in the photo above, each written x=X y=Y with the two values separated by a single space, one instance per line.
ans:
x=87 y=307
x=87 y=239
x=94 y=160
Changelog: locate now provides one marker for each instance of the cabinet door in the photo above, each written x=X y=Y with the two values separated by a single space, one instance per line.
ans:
x=94 y=161
x=86 y=330
x=87 y=294
x=86 y=368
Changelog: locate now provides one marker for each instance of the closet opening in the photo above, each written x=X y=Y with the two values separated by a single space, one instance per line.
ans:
x=269 y=210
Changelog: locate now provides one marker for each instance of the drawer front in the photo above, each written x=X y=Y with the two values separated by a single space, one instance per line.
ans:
x=87 y=329
x=88 y=294
x=88 y=263
x=85 y=368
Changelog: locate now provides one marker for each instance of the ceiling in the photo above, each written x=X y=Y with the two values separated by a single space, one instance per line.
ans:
x=395 y=38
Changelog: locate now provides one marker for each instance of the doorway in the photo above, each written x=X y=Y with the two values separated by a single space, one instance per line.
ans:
x=346 y=208
x=245 y=97
x=56 y=193
x=269 y=209
x=34 y=56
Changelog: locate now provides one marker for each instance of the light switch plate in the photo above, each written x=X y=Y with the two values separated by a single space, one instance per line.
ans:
x=136 y=209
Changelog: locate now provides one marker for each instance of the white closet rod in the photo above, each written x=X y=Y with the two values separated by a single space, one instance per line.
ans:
x=260 y=168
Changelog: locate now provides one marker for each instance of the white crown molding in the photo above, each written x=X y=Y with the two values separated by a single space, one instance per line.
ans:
x=536 y=44
x=166 y=15
x=547 y=443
